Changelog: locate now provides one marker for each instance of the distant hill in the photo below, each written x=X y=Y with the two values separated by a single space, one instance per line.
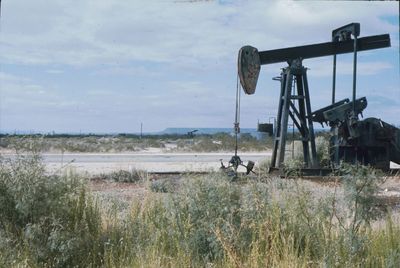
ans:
x=182 y=131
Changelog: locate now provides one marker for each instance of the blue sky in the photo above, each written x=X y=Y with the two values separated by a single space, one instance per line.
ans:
x=107 y=66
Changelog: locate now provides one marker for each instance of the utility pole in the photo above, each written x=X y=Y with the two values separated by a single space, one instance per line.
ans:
x=141 y=129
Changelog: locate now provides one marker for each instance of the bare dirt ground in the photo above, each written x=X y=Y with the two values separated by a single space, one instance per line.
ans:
x=149 y=160
x=156 y=160
x=118 y=190
x=387 y=197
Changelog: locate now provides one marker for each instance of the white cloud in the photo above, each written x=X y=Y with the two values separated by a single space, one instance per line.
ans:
x=140 y=71
x=93 y=32
x=7 y=77
x=54 y=71
x=323 y=68
x=170 y=62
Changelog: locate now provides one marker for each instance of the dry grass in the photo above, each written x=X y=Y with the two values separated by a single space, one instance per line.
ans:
x=202 y=221
x=132 y=143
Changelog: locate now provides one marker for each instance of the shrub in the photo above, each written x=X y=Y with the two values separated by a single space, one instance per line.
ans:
x=162 y=186
x=322 y=146
x=360 y=188
x=210 y=209
x=292 y=167
x=126 y=176
x=48 y=219
x=208 y=221
x=322 y=149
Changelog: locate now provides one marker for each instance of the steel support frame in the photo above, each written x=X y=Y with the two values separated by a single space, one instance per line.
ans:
x=295 y=74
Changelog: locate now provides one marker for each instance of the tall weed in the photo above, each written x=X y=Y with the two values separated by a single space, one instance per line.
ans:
x=207 y=221
x=48 y=219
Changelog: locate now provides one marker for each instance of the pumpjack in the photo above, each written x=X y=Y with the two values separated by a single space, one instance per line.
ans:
x=370 y=141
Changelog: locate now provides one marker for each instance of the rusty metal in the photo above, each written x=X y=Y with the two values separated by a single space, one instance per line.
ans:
x=352 y=139
x=323 y=49
x=294 y=75
x=249 y=68
x=344 y=34
x=369 y=142
x=250 y=59
x=266 y=128
x=235 y=163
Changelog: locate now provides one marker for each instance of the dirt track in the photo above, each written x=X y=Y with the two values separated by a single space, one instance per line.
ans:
x=150 y=161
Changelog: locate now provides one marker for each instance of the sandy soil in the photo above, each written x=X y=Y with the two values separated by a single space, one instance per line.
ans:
x=388 y=196
x=117 y=190
x=155 y=160
x=149 y=160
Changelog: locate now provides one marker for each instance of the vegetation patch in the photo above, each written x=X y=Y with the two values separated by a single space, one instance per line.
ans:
x=132 y=176
x=208 y=221
x=133 y=143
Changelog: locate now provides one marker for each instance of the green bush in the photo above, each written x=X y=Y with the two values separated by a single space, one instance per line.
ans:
x=162 y=186
x=48 y=220
x=292 y=167
x=208 y=206
x=361 y=186
x=322 y=146
x=207 y=221
x=132 y=176
x=124 y=143
x=322 y=150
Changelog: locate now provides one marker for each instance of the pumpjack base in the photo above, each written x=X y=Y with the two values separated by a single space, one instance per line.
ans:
x=321 y=172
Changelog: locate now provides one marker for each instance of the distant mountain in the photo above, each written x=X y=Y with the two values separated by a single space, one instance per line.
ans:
x=182 y=131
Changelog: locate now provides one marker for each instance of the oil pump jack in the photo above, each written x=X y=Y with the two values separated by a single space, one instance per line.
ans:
x=370 y=141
